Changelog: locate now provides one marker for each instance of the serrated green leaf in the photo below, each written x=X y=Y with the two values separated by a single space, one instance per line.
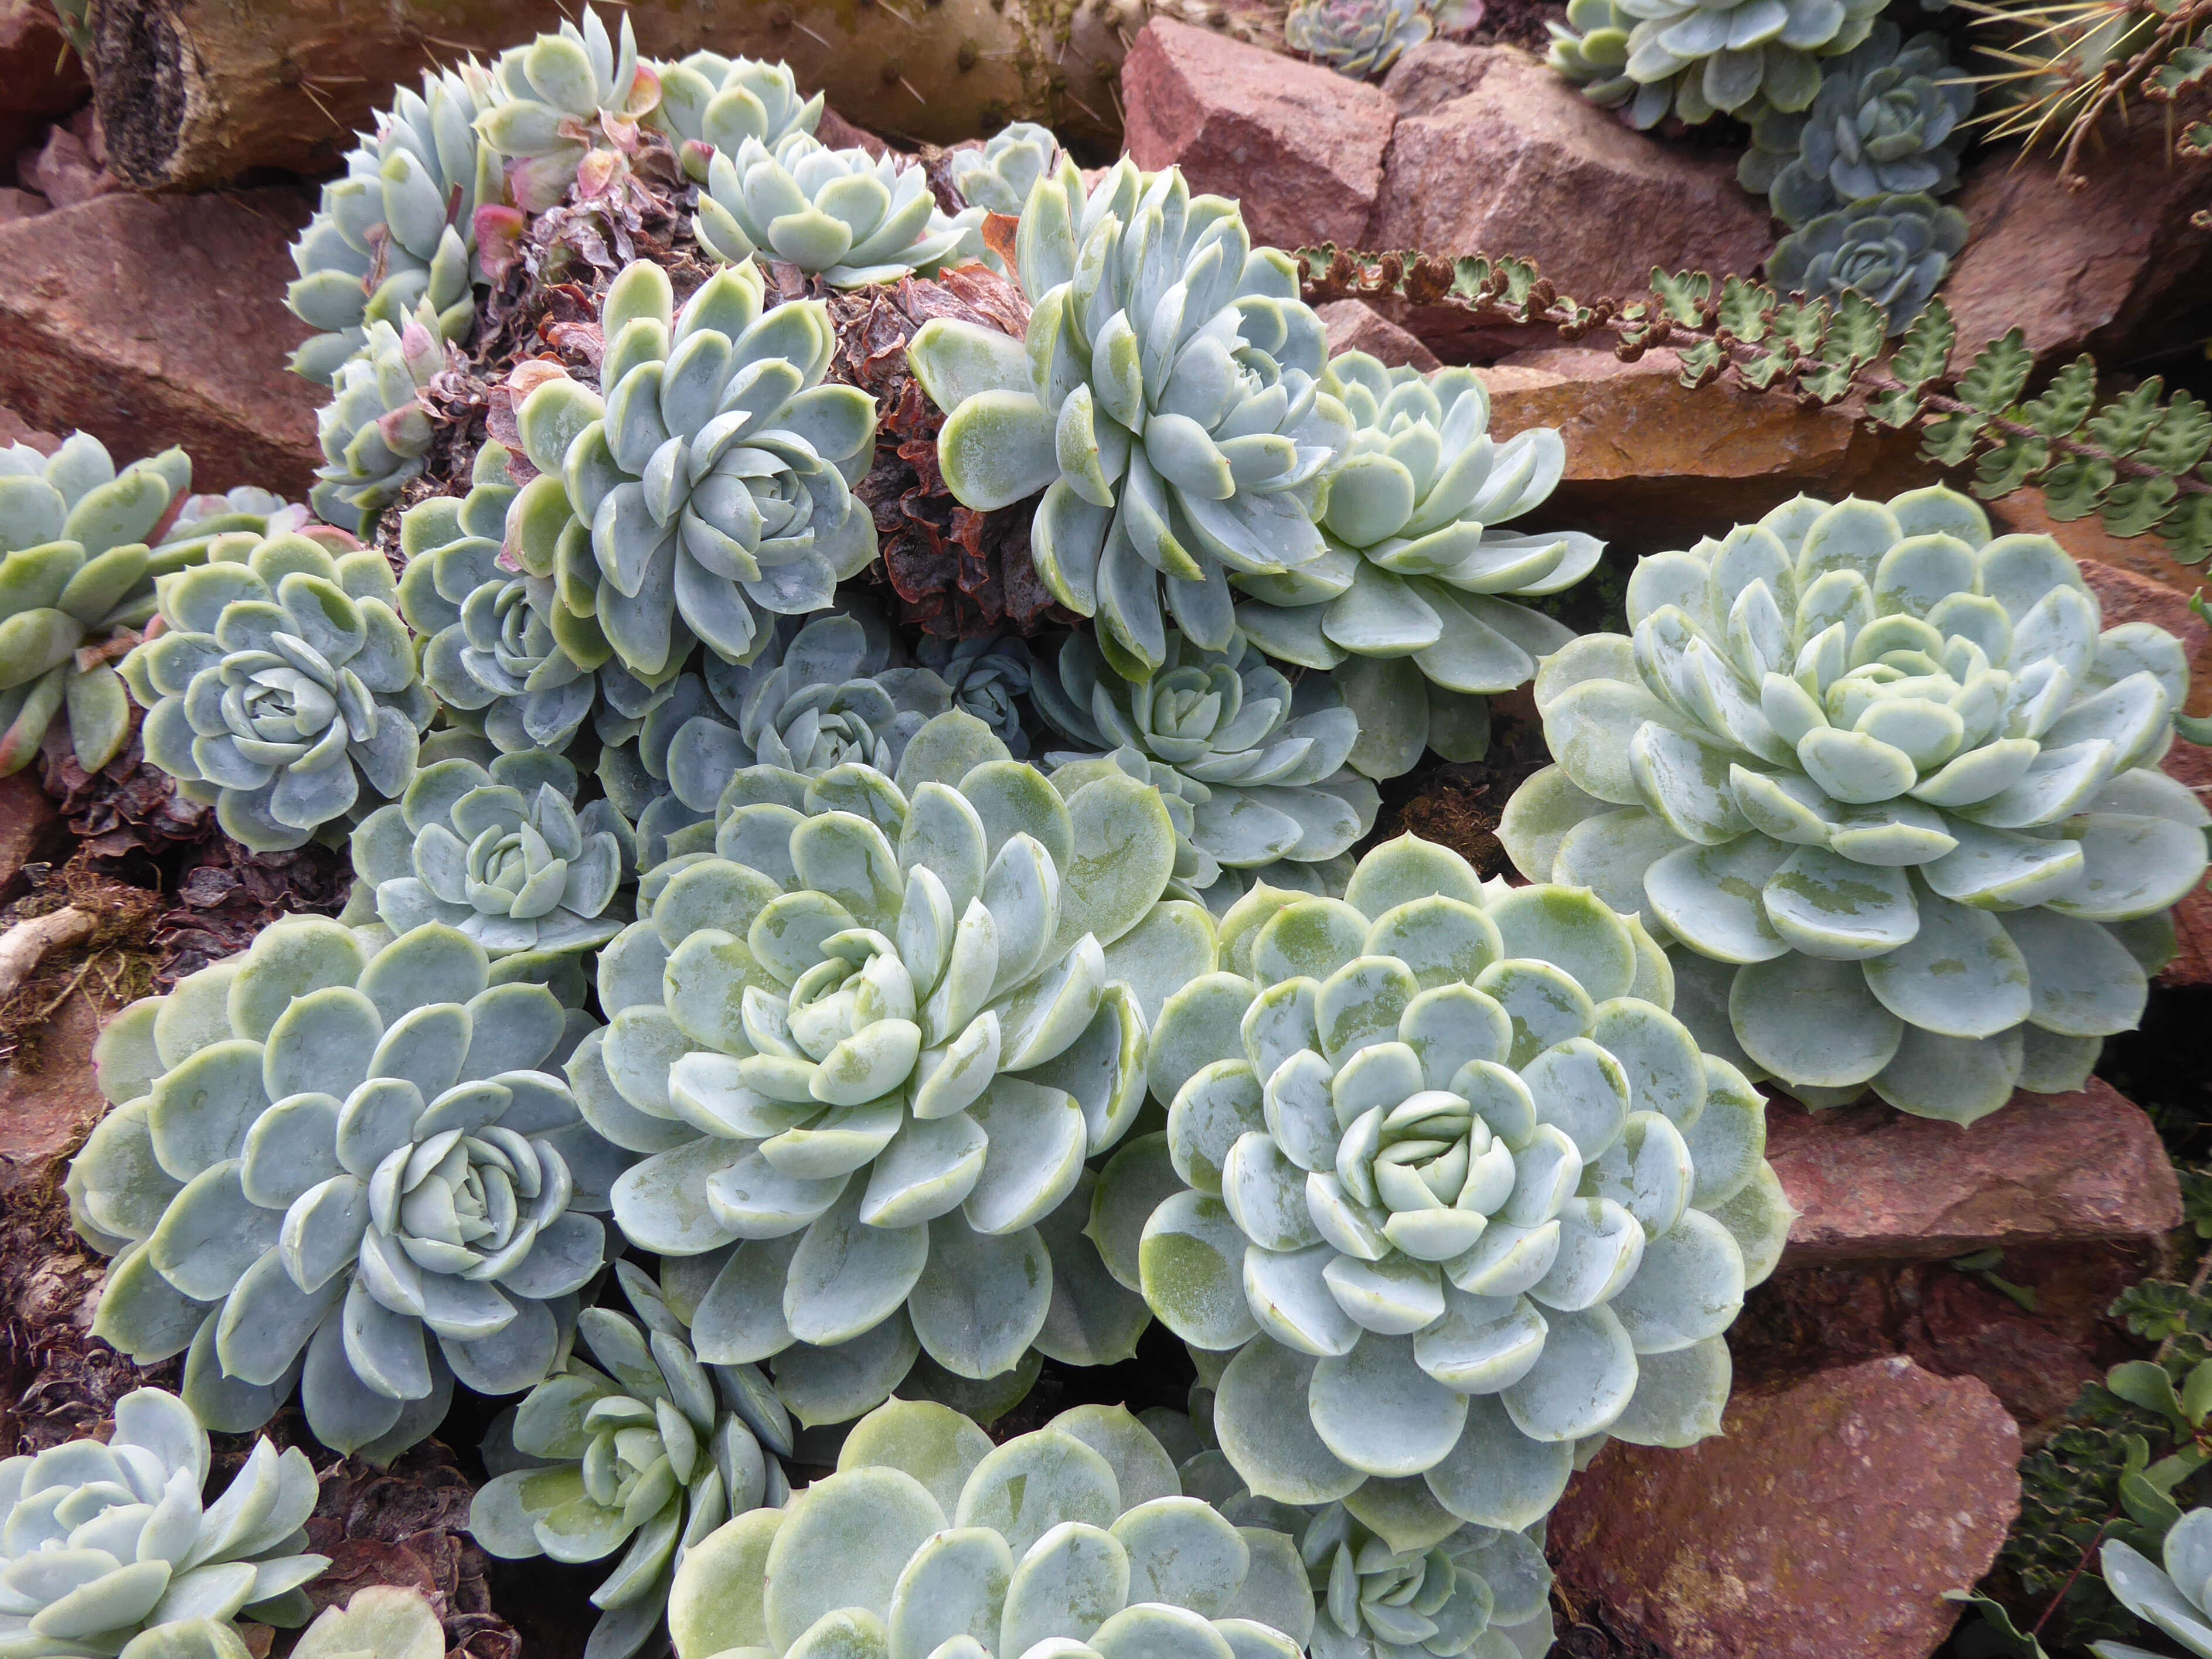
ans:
x=1925 y=351
x=2137 y=505
x=2000 y=369
x=1746 y=308
x=1856 y=332
x=1950 y=441
x=2188 y=528
x=2189 y=66
x=2182 y=436
x=1828 y=382
x=2076 y=487
x=2010 y=466
x=1894 y=409
x=1701 y=362
x=2124 y=423
x=2196 y=140
x=1761 y=370
x=1802 y=323
x=1683 y=294
x=2066 y=402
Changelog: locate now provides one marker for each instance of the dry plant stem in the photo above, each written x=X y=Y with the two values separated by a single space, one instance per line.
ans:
x=193 y=93
x=27 y=944
x=1425 y=278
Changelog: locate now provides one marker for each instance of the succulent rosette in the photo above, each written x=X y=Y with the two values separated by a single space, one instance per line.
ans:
x=868 y=1040
x=1417 y=621
x=1359 y=37
x=646 y=1446
x=398 y=230
x=77 y=582
x=999 y=177
x=1252 y=771
x=1740 y=58
x=101 y=1543
x=567 y=106
x=1441 y=1164
x=986 y=676
x=1889 y=787
x=502 y=853
x=849 y=216
x=376 y=428
x=710 y=105
x=712 y=477
x=1891 y=249
x=1889 y=121
x=1168 y=402
x=344 y=1167
x=281 y=685
x=1424 y=1584
x=1074 y=1541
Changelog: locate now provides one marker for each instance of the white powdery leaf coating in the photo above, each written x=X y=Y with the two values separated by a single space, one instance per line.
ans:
x=1464 y=1183
x=1888 y=786
x=1074 y=1541
x=352 y=1168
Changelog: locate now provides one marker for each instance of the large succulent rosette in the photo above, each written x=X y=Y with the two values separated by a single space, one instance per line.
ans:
x=1893 y=250
x=1891 y=789
x=279 y=685
x=851 y=217
x=346 y=1169
x=866 y=1044
x=711 y=474
x=1167 y=403
x=1441 y=1166
x=1252 y=771
x=1741 y=57
x=1074 y=1542
x=1417 y=617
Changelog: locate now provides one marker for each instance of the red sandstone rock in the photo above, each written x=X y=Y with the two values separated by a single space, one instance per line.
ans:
x=1824 y=1521
x=1870 y=1182
x=27 y=813
x=1355 y=326
x=1299 y=145
x=153 y=321
x=45 y=1115
x=1517 y=161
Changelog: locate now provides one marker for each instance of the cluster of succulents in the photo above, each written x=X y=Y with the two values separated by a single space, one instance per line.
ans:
x=710 y=473
x=376 y=428
x=347 y=1168
x=710 y=105
x=1447 y=1168
x=1074 y=1542
x=566 y=104
x=1649 y=58
x=1889 y=121
x=1359 y=37
x=1168 y=402
x=851 y=217
x=101 y=1544
x=1890 y=790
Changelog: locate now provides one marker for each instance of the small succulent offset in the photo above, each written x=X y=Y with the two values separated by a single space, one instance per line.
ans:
x=379 y=1621
x=851 y=217
x=376 y=428
x=1889 y=121
x=1416 y=616
x=985 y=675
x=1891 y=789
x=1451 y=1174
x=76 y=582
x=999 y=177
x=822 y=696
x=1074 y=1541
x=399 y=228
x=1891 y=249
x=870 y=1040
x=648 y=1447
x=1424 y=1584
x=503 y=855
x=1740 y=58
x=1359 y=37
x=499 y=651
x=1168 y=402
x=101 y=1542
x=345 y=1167
x=278 y=682
x=713 y=476
x=2173 y=1595
x=710 y=105
x=567 y=104
x=1252 y=772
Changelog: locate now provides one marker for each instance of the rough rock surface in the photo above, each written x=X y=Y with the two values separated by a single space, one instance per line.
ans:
x=1355 y=326
x=1300 y=145
x=44 y=1115
x=1825 y=1522
x=1516 y=161
x=27 y=815
x=39 y=79
x=2078 y=269
x=1870 y=1182
x=149 y=322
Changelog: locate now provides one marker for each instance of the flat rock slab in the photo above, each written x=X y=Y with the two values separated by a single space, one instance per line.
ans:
x=1824 y=1521
x=1870 y=1182
x=152 y=321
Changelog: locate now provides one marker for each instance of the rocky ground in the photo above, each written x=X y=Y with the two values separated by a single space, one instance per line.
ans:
x=1943 y=1298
